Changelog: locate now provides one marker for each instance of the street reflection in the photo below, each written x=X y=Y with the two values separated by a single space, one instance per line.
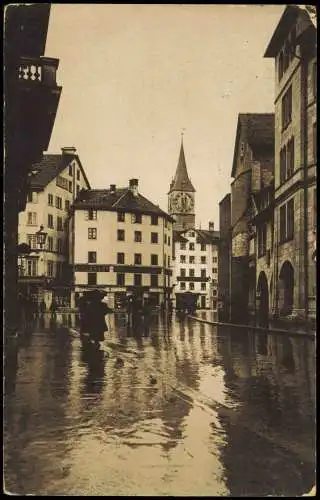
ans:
x=219 y=411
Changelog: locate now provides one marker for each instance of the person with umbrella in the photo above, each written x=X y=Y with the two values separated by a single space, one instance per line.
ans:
x=93 y=312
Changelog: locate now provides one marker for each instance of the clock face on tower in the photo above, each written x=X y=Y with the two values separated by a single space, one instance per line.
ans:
x=182 y=203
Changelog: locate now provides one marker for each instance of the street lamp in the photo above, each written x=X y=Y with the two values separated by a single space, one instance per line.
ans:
x=41 y=237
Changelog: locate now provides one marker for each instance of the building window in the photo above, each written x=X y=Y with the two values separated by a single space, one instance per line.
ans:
x=120 y=258
x=203 y=286
x=314 y=141
x=138 y=259
x=203 y=273
x=121 y=217
x=286 y=108
x=32 y=219
x=50 y=221
x=154 y=220
x=138 y=236
x=182 y=272
x=191 y=273
x=120 y=279
x=62 y=182
x=192 y=259
x=290 y=158
x=183 y=246
x=32 y=267
x=191 y=246
x=78 y=189
x=203 y=247
x=92 y=233
x=32 y=241
x=214 y=270
x=58 y=202
x=154 y=259
x=287 y=161
x=183 y=259
x=50 y=268
x=154 y=280
x=50 y=243
x=182 y=285
x=154 y=237
x=280 y=66
x=70 y=170
x=70 y=186
x=91 y=214
x=92 y=257
x=92 y=278
x=165 y=239
x=283 y=159
x=59 y=224
x=214 y=291
x=67 y=205
x=59 y=245
x=168 y=260
x=50 y=199
x=165 y=261
x=78 y=175
x=203 y=260
x=137 y=280
x=32 y=197
x=120 y=234
x=191 y=285
x=287 y=221
x=169 y=241
x=136 y=218
x=262 y=240
x=214 y=260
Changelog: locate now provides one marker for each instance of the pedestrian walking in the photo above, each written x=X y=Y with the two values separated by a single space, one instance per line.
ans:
x=53 y=309
x=93 y=312
x=43 y=307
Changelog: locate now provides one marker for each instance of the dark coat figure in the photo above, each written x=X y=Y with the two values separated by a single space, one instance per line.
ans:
x=53 y=308
x=94 y=319
x=43 y=307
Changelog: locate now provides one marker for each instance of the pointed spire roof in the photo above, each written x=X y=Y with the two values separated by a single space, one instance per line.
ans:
x=181 y=181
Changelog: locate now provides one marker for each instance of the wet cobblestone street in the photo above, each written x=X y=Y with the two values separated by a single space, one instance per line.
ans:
x=177 y=407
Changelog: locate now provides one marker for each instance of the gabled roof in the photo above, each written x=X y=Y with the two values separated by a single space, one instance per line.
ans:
x=50 y=167
x=287 y=20
x=117 y=200
x=181 y=181
x=203 y=235
x=260 y=132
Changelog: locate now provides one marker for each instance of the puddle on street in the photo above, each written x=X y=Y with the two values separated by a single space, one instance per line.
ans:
x=176 y=407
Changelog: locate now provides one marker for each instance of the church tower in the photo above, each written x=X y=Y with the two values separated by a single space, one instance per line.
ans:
x=181 y=196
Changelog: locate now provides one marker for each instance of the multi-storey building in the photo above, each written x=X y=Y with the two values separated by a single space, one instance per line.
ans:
x=54 y=184
x=293 y=46
x=120 y=242
x=224 y=258
x=195 y=268
x=252 y=169
x=31 y=95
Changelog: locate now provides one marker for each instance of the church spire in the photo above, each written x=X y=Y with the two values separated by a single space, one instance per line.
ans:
x=181 y=181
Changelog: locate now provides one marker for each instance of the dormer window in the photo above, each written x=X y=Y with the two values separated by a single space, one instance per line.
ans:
x=242 y=150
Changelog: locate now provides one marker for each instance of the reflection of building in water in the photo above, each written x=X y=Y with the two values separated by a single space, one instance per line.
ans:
x=38 y=408
x=269 y=377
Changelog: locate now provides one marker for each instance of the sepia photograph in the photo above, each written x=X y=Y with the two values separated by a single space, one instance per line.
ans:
x=159 y=236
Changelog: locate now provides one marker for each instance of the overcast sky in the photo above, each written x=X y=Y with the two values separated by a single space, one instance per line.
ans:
x=134 y=76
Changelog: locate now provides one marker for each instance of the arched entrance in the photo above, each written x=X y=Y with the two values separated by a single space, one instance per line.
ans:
x=262 y=299
x=286 y=283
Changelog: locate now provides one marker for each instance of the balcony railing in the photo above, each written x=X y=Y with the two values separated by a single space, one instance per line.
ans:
x=38 y=71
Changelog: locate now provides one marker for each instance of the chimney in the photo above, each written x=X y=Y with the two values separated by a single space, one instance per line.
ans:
x=112 y=188
x=211 y=226
x=69 y=150
x=133 y=186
